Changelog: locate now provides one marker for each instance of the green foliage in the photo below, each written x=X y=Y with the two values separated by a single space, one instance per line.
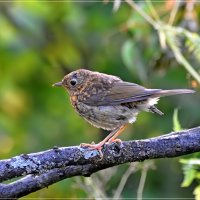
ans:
x=191 y=173
x=173 y=37
x=197 y=193
x=192 y=42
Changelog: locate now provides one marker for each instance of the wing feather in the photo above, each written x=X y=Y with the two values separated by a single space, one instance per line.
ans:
x=120 y=92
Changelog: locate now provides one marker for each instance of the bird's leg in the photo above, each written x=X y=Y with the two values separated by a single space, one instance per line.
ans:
x=98 y=146
x=117 y=133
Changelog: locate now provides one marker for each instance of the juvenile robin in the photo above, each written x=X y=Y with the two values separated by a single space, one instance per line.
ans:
x=110 y=103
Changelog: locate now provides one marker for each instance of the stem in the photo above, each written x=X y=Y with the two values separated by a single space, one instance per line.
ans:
x=152 y=9
x=124 y=179
x=142 y=13
x=141 y=184
x=180 y=58
x=145 y=168
x=173 y=13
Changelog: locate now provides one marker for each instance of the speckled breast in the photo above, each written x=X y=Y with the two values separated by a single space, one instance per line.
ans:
x=106 y=117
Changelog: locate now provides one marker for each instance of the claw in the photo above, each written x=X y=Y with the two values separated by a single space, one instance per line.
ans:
x=111 y=140
x=94 y=146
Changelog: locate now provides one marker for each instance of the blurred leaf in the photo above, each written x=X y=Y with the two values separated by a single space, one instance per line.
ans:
x=193 y=43
x=190 y=170
x=132 y=59
x=197 y=193
x=176 y=123
x=189 y=176
x=191 y=161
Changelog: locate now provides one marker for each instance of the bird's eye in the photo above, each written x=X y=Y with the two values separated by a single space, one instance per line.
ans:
x=73 y=82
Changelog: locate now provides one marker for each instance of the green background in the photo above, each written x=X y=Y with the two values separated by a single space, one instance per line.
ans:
x=40 y=42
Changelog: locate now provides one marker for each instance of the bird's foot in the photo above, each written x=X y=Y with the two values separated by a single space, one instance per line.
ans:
x=112 y=140
x=94 y=146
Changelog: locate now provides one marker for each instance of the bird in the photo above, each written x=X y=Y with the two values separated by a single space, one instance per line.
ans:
x=108 y=102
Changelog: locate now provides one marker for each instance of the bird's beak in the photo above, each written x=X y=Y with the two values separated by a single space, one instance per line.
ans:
x=57 y=84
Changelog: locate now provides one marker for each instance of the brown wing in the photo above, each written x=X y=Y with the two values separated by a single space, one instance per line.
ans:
x=120 y=92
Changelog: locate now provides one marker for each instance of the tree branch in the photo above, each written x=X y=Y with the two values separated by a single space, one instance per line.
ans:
x=45 y=168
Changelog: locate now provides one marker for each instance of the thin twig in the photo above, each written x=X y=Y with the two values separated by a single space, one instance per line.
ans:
x=174 y=12
x=93 y=186
x=141 y=183
x=132 y=168
x=152 y=9
x=145 y=168
x=181 y=59
x=142 y=13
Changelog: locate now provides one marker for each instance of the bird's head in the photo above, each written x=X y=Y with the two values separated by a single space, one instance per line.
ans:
x=74 y=81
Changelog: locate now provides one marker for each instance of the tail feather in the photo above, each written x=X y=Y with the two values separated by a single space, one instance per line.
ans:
x=154 y=109
x=162 y=93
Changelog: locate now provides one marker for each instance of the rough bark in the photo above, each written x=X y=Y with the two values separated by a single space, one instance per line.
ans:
x=39 y=170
